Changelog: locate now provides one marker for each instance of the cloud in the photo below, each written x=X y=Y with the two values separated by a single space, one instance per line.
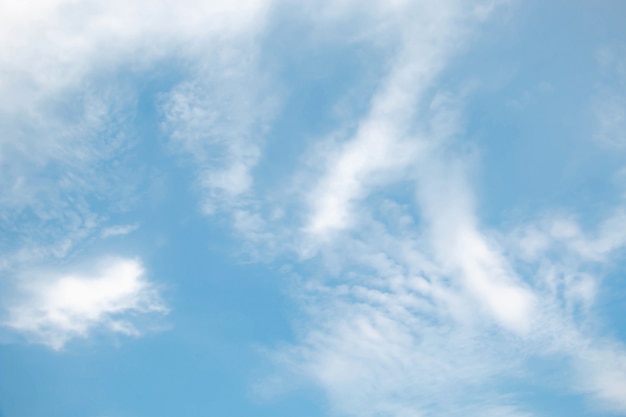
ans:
x=413 y=307
x=610 y=112
x=217 y=118
x=68 y=152
x=119 y=230
x=112 y=297
x=407 y=316
x=372 y=154
x=382 y=147
x=64 y=73
x=464 y=250
x=602 y=373
x=608 y=104
x=562 y=233
x=415 y=304
x=67 y=67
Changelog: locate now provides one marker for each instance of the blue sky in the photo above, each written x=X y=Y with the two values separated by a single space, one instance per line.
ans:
x=335 y=208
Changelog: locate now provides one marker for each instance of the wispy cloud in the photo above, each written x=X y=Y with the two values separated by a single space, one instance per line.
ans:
x=609 y=105
x=53 y=309
x=415 y=305
x=68 y=141
x=610 y=112
x=119 y=230
x=218 y=118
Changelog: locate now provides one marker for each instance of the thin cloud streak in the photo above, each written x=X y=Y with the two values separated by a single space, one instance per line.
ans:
x=119 y=230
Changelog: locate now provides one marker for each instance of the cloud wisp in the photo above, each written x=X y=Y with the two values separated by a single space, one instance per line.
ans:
x=119 y=230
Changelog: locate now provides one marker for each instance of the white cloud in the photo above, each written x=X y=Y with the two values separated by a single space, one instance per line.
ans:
x=466 y=252
x=218 y=119
x=67 y=143
x=391 y=336
x=370 y=158
x=383 y=147
x=56 y=309
x=56 y=53
x=562 y=234
x=409 y=324
x=415 y=308
x=59 y=52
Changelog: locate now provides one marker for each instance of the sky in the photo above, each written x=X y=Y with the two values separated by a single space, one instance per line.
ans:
x=336 y=208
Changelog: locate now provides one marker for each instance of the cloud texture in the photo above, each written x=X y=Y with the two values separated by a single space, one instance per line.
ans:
x=412 y=303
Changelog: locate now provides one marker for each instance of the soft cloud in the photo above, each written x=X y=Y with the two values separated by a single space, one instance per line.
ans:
x=70 y=104
x=464 y=250
x=56 y=309
x=67 y=149
x=602 y=373
x=57 y=54
x=383 y=147
x=217 y=119
x=422 y=308
x=367 y=159
x=416 y=306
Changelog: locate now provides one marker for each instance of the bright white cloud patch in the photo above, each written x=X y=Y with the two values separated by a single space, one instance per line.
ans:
x=56 y=309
